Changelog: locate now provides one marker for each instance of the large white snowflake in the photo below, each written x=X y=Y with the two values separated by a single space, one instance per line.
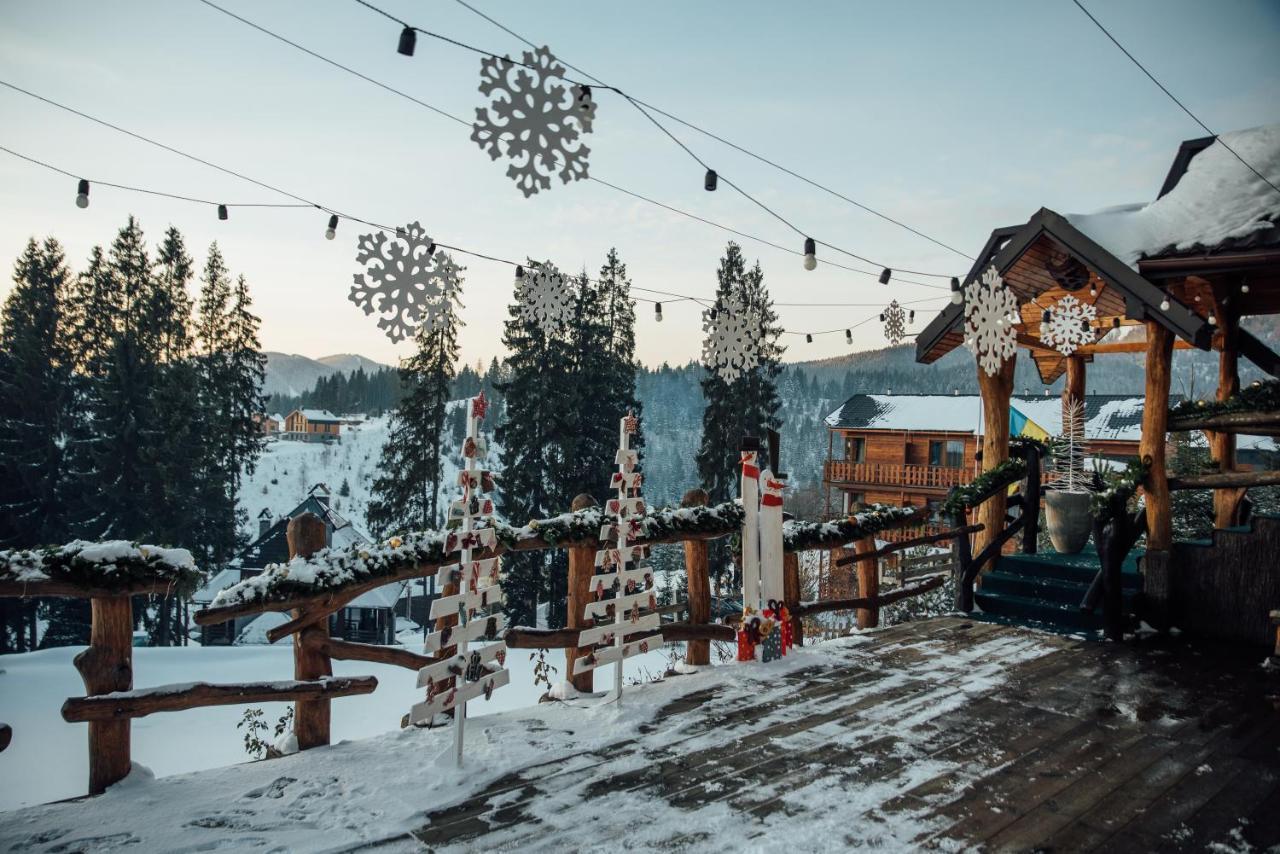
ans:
x=407 y=279
x=990 y=312
x=732 y=345
x=895 y=323
x=1068 y=328
x=544 y=298
x=535 y=118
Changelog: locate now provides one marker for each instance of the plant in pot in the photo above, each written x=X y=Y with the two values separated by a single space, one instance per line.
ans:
x=1068 y=514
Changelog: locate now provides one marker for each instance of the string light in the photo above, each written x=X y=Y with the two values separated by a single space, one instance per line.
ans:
x=810 y=253
x=1164 y=304
x=709 y=182
x=884 y=275
x=408 y=41
x=1115 y=323
x=911 y=316
x=808 y=338
x=848 y=336
x=657 y=311
x=1244 y=287
x=222 y=212
x=82 y=194
x=956 y=296
x=1213 y=321
x=1044 y=316
x=332 y=231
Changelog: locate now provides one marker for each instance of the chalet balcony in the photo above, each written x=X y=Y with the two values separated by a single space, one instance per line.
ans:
x=895 y=474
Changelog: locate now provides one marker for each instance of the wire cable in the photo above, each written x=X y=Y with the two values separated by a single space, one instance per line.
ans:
x=1172 y=97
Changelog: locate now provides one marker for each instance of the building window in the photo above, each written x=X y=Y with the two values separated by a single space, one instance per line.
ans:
x=856 y=450
x=948 y=453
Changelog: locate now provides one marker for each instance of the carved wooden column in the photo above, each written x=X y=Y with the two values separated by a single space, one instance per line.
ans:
x=697 y=570
x=996 y=391
x=582 y=561
x=1222 y=445
x=868 y=570
x=106 y=666
x=1155 y=425
x=306 y=535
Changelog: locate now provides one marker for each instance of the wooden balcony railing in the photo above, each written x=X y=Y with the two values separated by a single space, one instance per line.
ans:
x=896 y=474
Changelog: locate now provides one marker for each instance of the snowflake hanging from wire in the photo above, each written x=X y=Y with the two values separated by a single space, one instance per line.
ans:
x=544 y=298
x=1068 y=328
x=990 y=312
x=407 y=279
x=536 y=119
x=895 y=323
x=732 y=346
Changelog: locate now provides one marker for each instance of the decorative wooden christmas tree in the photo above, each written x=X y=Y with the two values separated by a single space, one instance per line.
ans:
x=624 y=604
x=467 y=674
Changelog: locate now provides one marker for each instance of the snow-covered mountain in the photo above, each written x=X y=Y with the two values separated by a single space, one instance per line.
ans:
x=291 y=374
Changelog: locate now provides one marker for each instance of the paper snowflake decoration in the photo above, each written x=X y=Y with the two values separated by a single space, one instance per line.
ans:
x=990 y=312
x=535 y=119
x=1068 y=328
x=895 y=323
x=732 y=346
x=407 y=279
x=544 y=298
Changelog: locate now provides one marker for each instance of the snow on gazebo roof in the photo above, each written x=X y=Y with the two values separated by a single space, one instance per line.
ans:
x=1216 y=199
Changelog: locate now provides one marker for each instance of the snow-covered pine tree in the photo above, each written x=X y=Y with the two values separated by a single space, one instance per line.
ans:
x=246 y=371
x=406 y=492
x=34 y=401
x=745 y=407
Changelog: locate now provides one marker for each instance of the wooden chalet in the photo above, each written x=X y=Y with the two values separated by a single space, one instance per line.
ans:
x=312 y=425
x=1186 y=268
x=369 y=618
x=269 y=425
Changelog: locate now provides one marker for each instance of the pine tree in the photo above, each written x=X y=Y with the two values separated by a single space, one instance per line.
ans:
x=34 y=407
x=246 y=371
x=749 y=405
x=213 y=365
x=405 y=494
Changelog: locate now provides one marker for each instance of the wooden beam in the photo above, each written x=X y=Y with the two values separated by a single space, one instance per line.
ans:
x=1222 y=444
x=306 y=535
x=581 y=568
x=1226 y=480
x=106 y=666
x=10 y=589
x=523 y=637
x=809 y=608
x=1233 y=422
x=344 y=650
x=1155 y=423
x=177 y=698
x=912 y=543
x=868 y=569
x=1127 y=347
x=697 y=561
x=791 y=595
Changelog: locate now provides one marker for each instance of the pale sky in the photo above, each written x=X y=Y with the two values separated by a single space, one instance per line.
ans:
x=954 y=117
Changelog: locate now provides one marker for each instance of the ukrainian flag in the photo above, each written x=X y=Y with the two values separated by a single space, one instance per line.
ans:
x=1021 y=425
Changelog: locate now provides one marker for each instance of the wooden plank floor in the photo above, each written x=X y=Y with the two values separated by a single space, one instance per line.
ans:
x=946 y=733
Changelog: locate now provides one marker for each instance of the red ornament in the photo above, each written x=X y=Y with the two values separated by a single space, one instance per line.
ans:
x=479 y=406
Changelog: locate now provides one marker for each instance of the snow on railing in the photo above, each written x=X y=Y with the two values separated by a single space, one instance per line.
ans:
x=99 y=566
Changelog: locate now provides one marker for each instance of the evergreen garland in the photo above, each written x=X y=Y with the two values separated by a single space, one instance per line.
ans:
x=1113 y=498
x=1256 y=397
x=110 y=565
x=803 y=536
x=984 y=485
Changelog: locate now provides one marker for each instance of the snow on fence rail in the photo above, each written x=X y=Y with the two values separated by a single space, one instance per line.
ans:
x=85 y=569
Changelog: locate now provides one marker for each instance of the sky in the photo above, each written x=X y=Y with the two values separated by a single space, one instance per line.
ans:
x=953 y=117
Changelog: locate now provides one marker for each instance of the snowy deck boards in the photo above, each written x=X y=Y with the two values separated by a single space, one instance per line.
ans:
x=1087 y=746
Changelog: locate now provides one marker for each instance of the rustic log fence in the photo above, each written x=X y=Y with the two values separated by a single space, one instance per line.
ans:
x=106 y=665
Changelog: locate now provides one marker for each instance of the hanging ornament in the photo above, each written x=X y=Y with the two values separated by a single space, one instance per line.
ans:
x=535 y=119
x=1068 y=327
x=732 y=345
x=988 y=331
x=544 y=298
x=895 y=323
x=407 y=279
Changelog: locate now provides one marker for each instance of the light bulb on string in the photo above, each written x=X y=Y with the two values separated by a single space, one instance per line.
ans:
x=657 y=311
x=1044 y=316
x=808 y=338
x=715 y=313
x=519 y=275
x=82 y=194
x=885 y=275
x=332 y=231
x=1115 y=323
x=1244 y=287
x=882 y=317
x=848 y=336
x=810 y=253
x=1164 y=304
x=956 y=296
x=408 y=40
x=709 y=182
x=1213 y=321
x=911 y=316
x=222 y=211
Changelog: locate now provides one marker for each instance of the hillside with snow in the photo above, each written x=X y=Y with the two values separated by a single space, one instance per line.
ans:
x=291 y=374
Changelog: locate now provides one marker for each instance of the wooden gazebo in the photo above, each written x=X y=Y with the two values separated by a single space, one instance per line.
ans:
x=1186 y=267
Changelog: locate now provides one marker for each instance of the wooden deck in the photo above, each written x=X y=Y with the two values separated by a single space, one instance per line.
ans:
x=947 y=734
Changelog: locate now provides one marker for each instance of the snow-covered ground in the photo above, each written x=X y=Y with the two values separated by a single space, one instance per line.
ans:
x=48 y=758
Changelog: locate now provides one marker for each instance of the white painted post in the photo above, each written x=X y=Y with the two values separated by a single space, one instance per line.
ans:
x=750 y=492
x=770 y=522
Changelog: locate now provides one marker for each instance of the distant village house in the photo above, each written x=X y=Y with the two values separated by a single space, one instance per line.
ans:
x=312 y=425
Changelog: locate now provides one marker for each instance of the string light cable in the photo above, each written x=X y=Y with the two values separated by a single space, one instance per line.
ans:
x=1172 y=97
x=445 y=114
x=666 y=131
x=668 y=296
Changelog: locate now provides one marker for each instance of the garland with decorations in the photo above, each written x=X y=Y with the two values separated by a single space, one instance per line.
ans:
x=984 y=485
x=1110 y=501
x=799 y=536
x=108 y=565
x=1256 y=397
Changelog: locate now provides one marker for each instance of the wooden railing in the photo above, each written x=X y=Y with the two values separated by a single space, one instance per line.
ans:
x=896 y=474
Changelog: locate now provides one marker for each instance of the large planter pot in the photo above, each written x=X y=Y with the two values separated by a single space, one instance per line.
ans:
x=1069 y=520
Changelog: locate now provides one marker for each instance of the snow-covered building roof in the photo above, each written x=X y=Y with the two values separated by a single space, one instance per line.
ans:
x=1210 y=201
x=320 y=416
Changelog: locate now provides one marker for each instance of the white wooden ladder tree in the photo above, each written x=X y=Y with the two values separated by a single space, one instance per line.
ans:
x=468 y=674
x=622 y=584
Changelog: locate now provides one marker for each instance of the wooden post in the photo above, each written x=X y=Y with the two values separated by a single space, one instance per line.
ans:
x=1155 y=423
x=996 y=391
x=1222 y=445
x=582 y=561
x=791 y=594
x=106 y=666
x=868 y=582
x=306 y=535
x=696 y=563
x=1074 y=387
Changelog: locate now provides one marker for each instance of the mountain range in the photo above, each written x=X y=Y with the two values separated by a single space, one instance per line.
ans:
x=291 y=374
